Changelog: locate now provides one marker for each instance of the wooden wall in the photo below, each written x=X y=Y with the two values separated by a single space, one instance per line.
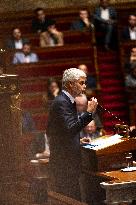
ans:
x=15 y=5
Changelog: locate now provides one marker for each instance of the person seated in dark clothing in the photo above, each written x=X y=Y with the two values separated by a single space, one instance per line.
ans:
x=105 y=18
x=53 y=89
x=16 y=41
x=131 y=78
x=90 y=82
x=81 y=105
x=40 y=22
x=129 y=32
x=130 y=60
x=83 y=23
x=90 y=132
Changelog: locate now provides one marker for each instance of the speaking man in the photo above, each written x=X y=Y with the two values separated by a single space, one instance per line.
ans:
x=63 y=130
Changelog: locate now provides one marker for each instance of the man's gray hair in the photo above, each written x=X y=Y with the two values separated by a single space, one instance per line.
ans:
x=72 y=74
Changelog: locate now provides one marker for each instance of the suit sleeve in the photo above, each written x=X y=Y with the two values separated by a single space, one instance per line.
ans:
x=34 y=26
x=68 y=122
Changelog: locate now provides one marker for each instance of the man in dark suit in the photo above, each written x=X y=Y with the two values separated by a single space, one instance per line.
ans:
x=105 y=18
x=83 y=23
x=129 y=32
x=90 y=81
x=40 y=22
x=17 y=41
x=63 y=131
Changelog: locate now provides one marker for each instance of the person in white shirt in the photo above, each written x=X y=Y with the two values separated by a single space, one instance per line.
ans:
x=16 y=41
x=105 y=18
x=129 y=32
x=25 y=56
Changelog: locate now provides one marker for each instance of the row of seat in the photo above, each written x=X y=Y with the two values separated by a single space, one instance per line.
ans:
x=69 y=38
x=64 y=17
x=67 y=52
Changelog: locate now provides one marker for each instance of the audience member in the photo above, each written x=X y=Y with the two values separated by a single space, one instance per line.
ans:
x=133 y=55
x=105 y=18
x=83 y=23
x=131 y=78
x=53 y=89
x=16 y=41
x=130 y=59
x=25 y=56
x=81 y=104
x=90 y=82
x=40 y=22
x=90 y=132
x=129 y=32
x=51 y=37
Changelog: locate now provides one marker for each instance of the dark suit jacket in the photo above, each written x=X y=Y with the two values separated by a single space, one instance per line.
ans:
x=63 y=131
x=97 y=15
x=11 y=43
x=40 y=26
x=79 y=25
x=125 y=34
x=90 y=82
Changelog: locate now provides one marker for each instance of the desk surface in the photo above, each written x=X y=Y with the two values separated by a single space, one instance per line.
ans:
x=119 y=176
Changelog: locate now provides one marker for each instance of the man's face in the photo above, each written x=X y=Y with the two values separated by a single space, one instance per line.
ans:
x=51 y=28
x=53 y=87
x=133 y=52
x=81 y=104
x=83 y=68
x=90 y=128
x=132 y=20
x=104 y=3
x=26 y=49
x=17 y=34
x=83 y=14
x=41 y=15
x=78 y=86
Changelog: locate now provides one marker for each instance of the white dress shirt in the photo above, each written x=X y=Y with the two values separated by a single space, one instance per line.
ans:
x=132 y=33
x=105 y=14
x=18 y=44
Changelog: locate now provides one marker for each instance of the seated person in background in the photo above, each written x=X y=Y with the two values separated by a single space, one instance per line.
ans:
x=84 y=22
x=17 y=41
x=131 y=59
x=90 y=82
x=51 y=37
x=53 y=89
x=82 y=104
x=39 y=145
x=25 y=56
x=105 y=18
x=89 y=133
x=129 y=32
x=131 y=78
x=133 y=55
x=40 y=22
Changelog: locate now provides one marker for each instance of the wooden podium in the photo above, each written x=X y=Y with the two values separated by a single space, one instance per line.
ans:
x=12 y=180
